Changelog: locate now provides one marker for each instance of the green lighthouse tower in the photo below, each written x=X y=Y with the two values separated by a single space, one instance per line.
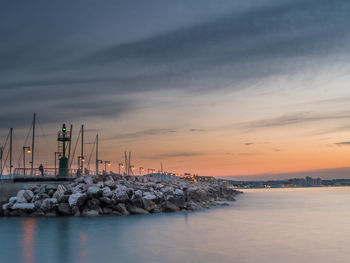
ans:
x=63 y=138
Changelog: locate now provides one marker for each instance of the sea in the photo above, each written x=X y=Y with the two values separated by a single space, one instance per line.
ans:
x=299 y=225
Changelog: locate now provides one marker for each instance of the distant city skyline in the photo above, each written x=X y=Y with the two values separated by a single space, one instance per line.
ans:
x=219 y=88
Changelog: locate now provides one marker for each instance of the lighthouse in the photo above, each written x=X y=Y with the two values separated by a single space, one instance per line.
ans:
x=63 y=138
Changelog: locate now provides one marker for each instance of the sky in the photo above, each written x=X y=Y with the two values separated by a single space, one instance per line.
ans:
x=221 y=88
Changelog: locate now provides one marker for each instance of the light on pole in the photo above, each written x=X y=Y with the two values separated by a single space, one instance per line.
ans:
x=26 y=149
x=107 y=163
x=141 y=170
x=120 y=165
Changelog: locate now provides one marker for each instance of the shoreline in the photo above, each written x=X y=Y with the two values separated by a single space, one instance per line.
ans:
x=115 y=195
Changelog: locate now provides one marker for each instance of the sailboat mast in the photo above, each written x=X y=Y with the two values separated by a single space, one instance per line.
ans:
x=11 y=132
x=33 y=144
x=96 y=154
x=82 y=150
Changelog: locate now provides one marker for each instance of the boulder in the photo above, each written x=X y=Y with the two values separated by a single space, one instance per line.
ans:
x=106 y=191
x=17 y=213
x=93 y=204
x=89 y=212
x=137 y=210
x=40 y=189
x=110 y=184
x=37 y=213
x=13 y=200
x=148 y=204
x=27 y=207
x=48 y=204
x=150 y=197
x=59 y=192
x=107 y=210
x=50 y=187
x=68 y=192
x=24 y=196
x=94 y=191
x=137 y=202
x=77 y=199
x=37 y=204
x=138 y=194
x=88 y=180
x=193 y=206
x=120 y=196
x=64 y=209
x=179 y=201
x=122 y=209
x=170 y=207
x=179 y=192
x=64 y=199
x=105 y=201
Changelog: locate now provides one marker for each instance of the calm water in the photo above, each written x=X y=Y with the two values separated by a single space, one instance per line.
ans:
x=279 y=225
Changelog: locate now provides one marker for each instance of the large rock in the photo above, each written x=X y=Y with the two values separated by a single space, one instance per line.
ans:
x=49 y=204
x=95 y=191
x=110 y=184
x=37 y=213
x=24 y=196
x=17 y=212
x=148 y=204
x=138 y=194
x=105 y=201
x=64 y=199
x=59 y=192
x=120 y=196
x=179 y=201
x=137 y=210
x=13 y=200
x=150 y=197
x=106 y=191
x=27 y=207
x=88 y=180
x=64 y=209
x=89 y=212
x=93 y=204
x=40 y=189
x=170 y=207
x=179 y=192
x=77 y=199
x=107 y=210
x=122 y=209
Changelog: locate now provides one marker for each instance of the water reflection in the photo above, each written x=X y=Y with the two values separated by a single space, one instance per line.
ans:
x=83 y=252
x=28 y=240
x=63 y=244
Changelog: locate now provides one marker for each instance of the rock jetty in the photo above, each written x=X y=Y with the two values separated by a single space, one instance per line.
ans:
x=115 y=195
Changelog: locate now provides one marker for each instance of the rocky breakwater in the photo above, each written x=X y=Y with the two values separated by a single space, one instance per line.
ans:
x=115 y=195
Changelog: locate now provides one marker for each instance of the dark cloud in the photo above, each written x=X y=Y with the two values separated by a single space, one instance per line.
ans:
x=52 y=56
x=343 y=143
x=248 y=143
x=197 y=130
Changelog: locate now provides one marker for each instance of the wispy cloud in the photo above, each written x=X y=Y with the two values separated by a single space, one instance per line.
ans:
x=343 y=143
x=144 y=133
x=173 y=155
x=293 y=119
